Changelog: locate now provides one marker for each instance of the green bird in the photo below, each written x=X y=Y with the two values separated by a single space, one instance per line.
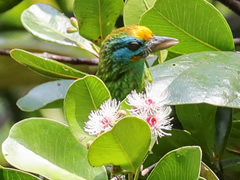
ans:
x=122 y=59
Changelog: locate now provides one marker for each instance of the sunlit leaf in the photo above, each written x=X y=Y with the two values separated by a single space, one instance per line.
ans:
x=182 y=164
x=197 y=24
x=83 y=96
x=47 y=147
x=131 y=14
x=45 y=66
x=96 y=19
x=47 y=23
x=13 y=174
x=125 y=145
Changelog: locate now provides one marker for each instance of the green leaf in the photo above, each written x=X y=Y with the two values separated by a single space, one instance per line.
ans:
x=199 y=120
x=47 y=23
x=96 y=19
x=126 y=145
x=207 y=173
x=223 y=124
x=44 y=94
x=182 y=164
x=134 y=9
x=197 y=24
x=13 y=174
x=204 y=77
x=83 y=96
x=47 y=147
x=165 y=144
x=47 y=67
x=231 y=158
x=6 y=5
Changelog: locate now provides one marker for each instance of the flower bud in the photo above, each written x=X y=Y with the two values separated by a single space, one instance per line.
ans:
x=71 y=30
x=74 y=22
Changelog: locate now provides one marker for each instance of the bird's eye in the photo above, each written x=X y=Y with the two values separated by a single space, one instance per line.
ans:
x=134 y=45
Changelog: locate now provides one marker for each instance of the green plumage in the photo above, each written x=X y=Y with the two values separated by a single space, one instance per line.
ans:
x=122 y=59
x=116 y=69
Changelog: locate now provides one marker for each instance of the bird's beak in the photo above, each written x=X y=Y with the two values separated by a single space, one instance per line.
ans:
x=157 y=43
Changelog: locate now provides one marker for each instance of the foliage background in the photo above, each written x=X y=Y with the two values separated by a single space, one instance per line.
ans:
x=16 y=80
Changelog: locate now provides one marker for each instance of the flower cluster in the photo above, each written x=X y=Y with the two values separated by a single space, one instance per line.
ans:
x=149 y=105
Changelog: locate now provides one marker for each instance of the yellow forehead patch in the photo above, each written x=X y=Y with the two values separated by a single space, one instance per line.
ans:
x=140 y=32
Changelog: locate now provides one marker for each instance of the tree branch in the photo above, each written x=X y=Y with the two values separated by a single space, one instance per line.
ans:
x=234 y=5
x=237 y=41
x=64 y=59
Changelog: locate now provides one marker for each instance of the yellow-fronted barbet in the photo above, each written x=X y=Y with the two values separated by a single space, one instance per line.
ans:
x=122 y=58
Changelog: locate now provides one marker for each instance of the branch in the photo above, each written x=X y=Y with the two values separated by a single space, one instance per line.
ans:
x=233 y=151
x=64 y=59
x=237 y=41
x=234 y=5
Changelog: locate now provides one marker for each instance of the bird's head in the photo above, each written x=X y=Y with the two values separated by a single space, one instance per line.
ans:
x=130 y=44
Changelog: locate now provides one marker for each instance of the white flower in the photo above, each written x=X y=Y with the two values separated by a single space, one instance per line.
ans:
x=151 y=100
x=158 y=121
x=103 y=119
x=151 y=107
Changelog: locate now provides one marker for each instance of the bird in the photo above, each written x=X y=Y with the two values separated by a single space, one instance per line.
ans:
x=122 y=59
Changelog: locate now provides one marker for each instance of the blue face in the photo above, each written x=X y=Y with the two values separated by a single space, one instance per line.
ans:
x=125 y=48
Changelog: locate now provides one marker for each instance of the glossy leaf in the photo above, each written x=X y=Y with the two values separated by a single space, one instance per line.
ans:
x=44 y=94
x=47 y=23
x=96 y=19
x=44 y=66
x=83 y=96
x=6 y=5
x=13 y=174
x=131 y=14
x=181 y=164
x=199 y=120
x=197 y=24
x=204 y=77
x=126 y=145
x=47 y=147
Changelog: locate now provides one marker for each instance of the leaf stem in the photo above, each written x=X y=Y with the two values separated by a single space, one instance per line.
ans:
x=137 y=173
x=130 y=176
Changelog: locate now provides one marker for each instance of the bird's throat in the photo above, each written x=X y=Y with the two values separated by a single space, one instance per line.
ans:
x=122 y=78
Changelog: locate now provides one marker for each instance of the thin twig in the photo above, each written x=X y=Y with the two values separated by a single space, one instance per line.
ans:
x=64 y=59
x=237 y=41
x=5 y=52
x=233 y=151
x=234 y=5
